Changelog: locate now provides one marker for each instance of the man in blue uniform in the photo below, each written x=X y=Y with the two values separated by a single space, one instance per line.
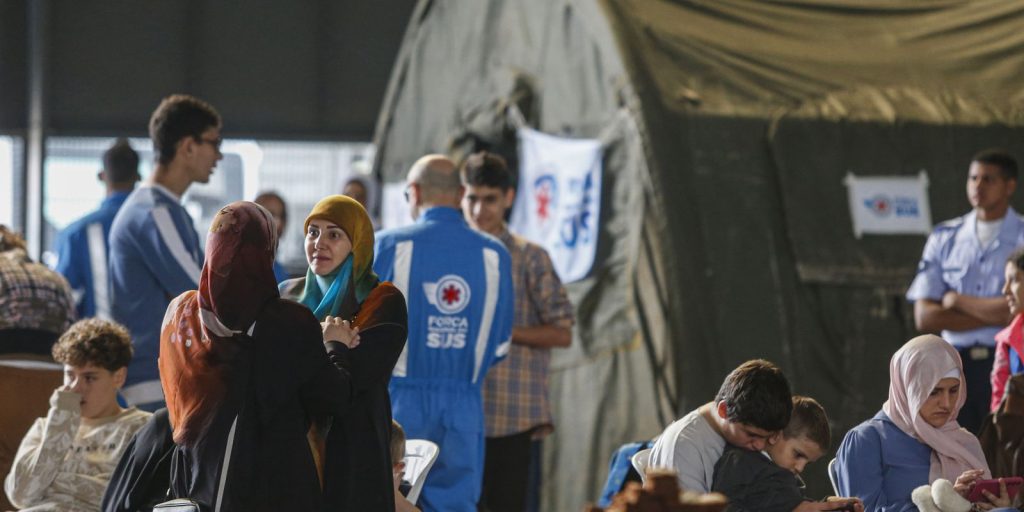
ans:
x=82 y=246
x=958 y=288
x=458 y=285
x=154 y=249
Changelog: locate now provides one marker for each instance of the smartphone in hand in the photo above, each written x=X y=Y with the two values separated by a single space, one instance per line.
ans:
x=1013 y=484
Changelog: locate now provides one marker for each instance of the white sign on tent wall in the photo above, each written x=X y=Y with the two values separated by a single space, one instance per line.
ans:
x=889 y=205
x=558 y=201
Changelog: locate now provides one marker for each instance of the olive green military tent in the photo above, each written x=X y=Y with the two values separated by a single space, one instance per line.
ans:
x=728 y=127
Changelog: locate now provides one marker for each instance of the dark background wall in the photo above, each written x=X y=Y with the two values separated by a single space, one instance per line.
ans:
x=313 y=69
x=13 y=65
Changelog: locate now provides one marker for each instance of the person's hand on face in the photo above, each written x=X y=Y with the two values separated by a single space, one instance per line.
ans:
x=336 y=329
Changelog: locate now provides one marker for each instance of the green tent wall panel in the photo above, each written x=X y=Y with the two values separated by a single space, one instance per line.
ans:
x=729 y=127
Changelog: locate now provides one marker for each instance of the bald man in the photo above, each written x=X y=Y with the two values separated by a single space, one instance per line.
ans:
x=458 y=285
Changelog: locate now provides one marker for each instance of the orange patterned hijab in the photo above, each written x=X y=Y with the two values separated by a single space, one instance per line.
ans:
x=204 y=332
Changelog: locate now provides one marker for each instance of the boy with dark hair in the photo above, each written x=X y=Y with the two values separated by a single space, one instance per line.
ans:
x=154 y=248
x=516 y=406
x=769 y=481
x=66 y=459
x=752 y=406
x=179 y=117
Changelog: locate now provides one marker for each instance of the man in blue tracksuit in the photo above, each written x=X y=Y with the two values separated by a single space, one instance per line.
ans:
x=154 y=249
x=458 y=285
x=82 y=246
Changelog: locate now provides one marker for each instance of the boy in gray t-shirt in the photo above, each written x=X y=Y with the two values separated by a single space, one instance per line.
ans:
x=752 y=406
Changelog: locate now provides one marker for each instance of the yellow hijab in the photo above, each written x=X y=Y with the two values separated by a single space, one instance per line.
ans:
x=352 y=218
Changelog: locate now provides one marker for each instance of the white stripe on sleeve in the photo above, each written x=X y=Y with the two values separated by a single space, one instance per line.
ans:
x=492 y=272
x=169 y=234
x=98 y=266
x=403 y=265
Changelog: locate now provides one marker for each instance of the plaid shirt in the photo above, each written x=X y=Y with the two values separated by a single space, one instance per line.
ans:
x=33 y=296
x=516 y=389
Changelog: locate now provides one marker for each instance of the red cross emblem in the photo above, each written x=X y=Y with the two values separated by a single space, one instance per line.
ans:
x=450 y=295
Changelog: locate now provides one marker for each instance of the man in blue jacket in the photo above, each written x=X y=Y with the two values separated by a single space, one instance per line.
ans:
x=458 y=285
x=82 y=246
x=154 y=249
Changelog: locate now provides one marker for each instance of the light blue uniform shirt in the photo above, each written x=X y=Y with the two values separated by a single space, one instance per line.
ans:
x=882 y=465
x=82 y=249
x=954 y=259
x=154 y=257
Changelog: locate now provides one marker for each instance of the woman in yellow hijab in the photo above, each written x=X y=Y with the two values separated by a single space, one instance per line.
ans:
x=369 y=317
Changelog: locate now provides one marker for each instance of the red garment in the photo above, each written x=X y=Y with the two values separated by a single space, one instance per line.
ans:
x=1010 y=337
x=198 y=338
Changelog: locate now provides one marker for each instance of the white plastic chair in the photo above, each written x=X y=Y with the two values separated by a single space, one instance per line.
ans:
x=420 y=455
x=641 y=460
x=832 y=476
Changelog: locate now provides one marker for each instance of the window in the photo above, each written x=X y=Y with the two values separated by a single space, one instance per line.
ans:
x=10 y=166
x=301 y=172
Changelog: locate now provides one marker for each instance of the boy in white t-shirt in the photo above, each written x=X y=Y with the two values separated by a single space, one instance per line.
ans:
x=65 y=461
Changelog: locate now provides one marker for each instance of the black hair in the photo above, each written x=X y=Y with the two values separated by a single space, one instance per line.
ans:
x=121 y=162
x=179 y=116
x=1000 y=158
x=757 y=393
x=1017 y=258
x=487 y=170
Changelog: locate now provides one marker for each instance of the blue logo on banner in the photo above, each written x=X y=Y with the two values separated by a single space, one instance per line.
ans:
x=577 y=227
x=900 y=206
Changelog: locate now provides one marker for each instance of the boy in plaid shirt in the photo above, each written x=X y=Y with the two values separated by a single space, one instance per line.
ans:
x=516 y=406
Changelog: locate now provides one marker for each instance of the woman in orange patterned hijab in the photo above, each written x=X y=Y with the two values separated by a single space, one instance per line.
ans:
x=243 y=371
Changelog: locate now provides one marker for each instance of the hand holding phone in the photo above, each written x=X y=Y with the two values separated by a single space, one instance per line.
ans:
x=977 y=495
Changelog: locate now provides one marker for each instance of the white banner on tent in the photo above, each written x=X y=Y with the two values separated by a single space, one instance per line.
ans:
x=394 y=209
x=888 y=205
x=558 y=203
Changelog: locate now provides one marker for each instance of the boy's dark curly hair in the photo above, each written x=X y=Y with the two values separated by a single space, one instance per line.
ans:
x=97 y=342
